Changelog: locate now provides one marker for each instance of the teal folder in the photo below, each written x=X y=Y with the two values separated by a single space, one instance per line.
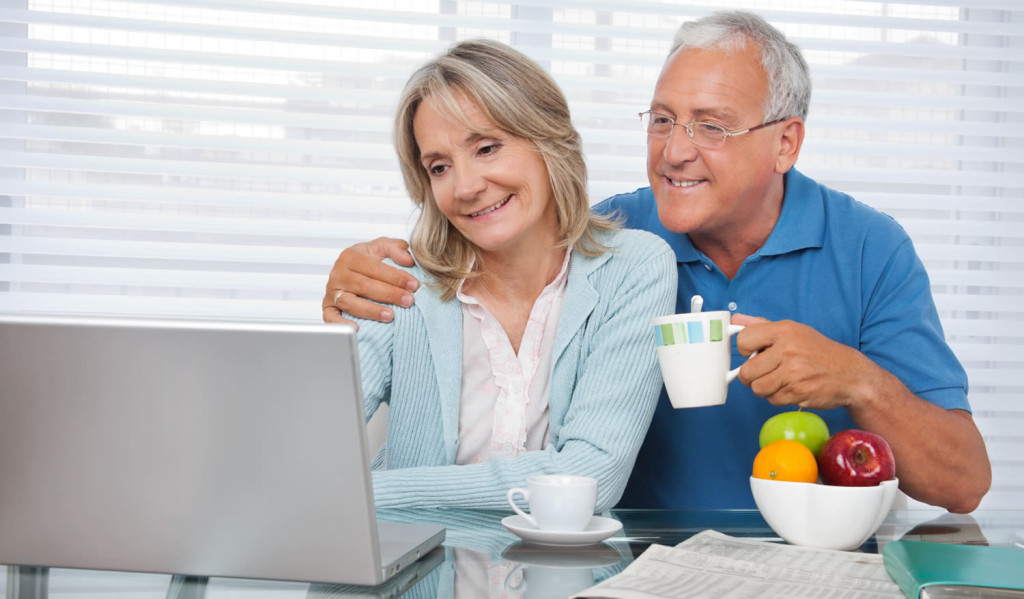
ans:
x=916 y=565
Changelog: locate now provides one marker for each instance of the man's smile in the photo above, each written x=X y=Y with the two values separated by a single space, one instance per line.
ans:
x=684 y=183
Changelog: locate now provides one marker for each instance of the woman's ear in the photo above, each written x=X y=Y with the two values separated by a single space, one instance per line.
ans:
x=791 y=139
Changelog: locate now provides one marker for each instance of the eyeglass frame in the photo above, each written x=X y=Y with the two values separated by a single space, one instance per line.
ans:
x=688 y=127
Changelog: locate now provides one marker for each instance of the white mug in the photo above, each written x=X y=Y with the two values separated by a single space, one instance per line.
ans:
x=558 y=502
x=694 y=354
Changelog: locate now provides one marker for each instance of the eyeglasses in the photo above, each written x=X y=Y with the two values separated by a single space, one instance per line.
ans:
x=705 y=135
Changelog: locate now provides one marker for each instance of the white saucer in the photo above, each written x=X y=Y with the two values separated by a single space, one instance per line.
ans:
x=597 y=530
x=597 y=555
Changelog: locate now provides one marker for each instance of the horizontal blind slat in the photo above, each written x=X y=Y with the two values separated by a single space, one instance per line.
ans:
x=126 y=250
x=306 y=284
x=277 y=143
x=389 y=207
x=300 y=309
x=195 y=168
x=228 y=226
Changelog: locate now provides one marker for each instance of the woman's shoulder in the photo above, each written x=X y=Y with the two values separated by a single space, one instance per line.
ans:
x=631 y=255
x=634 y=244
x=428 y=284
x=428 y=303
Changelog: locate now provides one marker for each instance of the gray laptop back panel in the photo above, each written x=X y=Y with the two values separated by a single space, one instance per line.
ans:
x=190 y=448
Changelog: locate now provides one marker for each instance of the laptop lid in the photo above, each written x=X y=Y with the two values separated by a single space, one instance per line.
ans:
x=206 y=449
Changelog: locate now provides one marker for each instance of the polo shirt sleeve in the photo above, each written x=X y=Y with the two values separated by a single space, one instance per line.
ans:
x=636 y=209
x=901 y=331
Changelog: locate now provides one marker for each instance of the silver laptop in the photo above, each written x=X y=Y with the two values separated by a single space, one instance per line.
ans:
x=206 y=449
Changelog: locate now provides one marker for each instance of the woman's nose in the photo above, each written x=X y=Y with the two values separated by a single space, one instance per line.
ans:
x=469 y=182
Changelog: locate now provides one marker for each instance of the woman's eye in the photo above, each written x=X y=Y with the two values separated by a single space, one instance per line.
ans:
x=437 y=170
x=488 y=149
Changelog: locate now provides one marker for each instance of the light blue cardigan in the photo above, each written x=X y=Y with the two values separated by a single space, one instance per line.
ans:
x=604 y=386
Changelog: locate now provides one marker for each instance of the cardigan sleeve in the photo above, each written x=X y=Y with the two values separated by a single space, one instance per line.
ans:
x=375 y=363
x=610 y=401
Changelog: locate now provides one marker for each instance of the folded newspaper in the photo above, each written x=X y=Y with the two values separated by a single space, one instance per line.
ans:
x=712 y=564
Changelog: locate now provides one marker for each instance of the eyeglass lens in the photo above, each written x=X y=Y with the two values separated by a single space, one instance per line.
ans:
x=702 y=134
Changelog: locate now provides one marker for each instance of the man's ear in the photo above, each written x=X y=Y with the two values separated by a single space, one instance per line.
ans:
x=790 y=141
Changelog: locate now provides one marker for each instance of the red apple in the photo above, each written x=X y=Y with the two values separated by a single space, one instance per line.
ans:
x=856 y=458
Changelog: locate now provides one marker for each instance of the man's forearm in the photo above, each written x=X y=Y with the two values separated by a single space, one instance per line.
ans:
x=941 y=457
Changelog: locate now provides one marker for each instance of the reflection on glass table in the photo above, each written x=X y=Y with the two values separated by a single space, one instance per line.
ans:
x=480 y=558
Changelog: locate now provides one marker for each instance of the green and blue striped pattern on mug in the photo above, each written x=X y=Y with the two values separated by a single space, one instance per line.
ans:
x=677 y=333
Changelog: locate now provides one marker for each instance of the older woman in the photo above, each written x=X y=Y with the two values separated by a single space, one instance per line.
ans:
x=529 y=349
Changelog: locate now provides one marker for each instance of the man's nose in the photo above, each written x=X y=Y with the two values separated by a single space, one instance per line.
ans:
x=678 y=147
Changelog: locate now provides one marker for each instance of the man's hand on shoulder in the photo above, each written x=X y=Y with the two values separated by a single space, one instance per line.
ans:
x=359 y=278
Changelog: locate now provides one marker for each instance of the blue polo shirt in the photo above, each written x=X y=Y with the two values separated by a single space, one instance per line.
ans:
x=832 y=263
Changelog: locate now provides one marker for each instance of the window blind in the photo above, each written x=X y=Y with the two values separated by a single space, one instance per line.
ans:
x=208 y=159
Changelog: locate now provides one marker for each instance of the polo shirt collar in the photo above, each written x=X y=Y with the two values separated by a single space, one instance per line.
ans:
x=802 y=222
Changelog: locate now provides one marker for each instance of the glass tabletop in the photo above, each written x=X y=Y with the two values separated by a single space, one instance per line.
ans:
x=482 y=558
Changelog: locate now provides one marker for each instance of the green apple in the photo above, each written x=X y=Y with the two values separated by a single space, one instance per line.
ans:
x=805 y=427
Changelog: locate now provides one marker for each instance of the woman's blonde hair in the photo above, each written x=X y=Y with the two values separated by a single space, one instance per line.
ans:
x=521 y=99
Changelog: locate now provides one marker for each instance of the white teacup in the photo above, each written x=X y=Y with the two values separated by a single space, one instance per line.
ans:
x=548 y=582
x=694 y=354
x=558 y=502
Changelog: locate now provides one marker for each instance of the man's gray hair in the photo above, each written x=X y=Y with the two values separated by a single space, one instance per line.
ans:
x=789 y=78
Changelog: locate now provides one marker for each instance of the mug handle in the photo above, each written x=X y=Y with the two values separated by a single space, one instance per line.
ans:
x=516 y=587
x=526 y=496
x=729 y=376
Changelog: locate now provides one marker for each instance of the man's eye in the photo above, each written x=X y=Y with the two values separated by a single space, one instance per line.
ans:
x=709 y=129
x=660 y=121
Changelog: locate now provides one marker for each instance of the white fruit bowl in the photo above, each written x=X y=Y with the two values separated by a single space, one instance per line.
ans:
x=823 y=516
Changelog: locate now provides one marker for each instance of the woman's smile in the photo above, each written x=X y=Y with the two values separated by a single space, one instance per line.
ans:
x=490 y=208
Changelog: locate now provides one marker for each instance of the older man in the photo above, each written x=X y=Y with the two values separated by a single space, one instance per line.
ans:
x=845 y=322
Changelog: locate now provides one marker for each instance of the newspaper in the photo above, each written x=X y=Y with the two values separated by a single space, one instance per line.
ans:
x=712 y=564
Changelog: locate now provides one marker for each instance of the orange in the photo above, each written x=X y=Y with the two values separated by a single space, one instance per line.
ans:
x=787 y=460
